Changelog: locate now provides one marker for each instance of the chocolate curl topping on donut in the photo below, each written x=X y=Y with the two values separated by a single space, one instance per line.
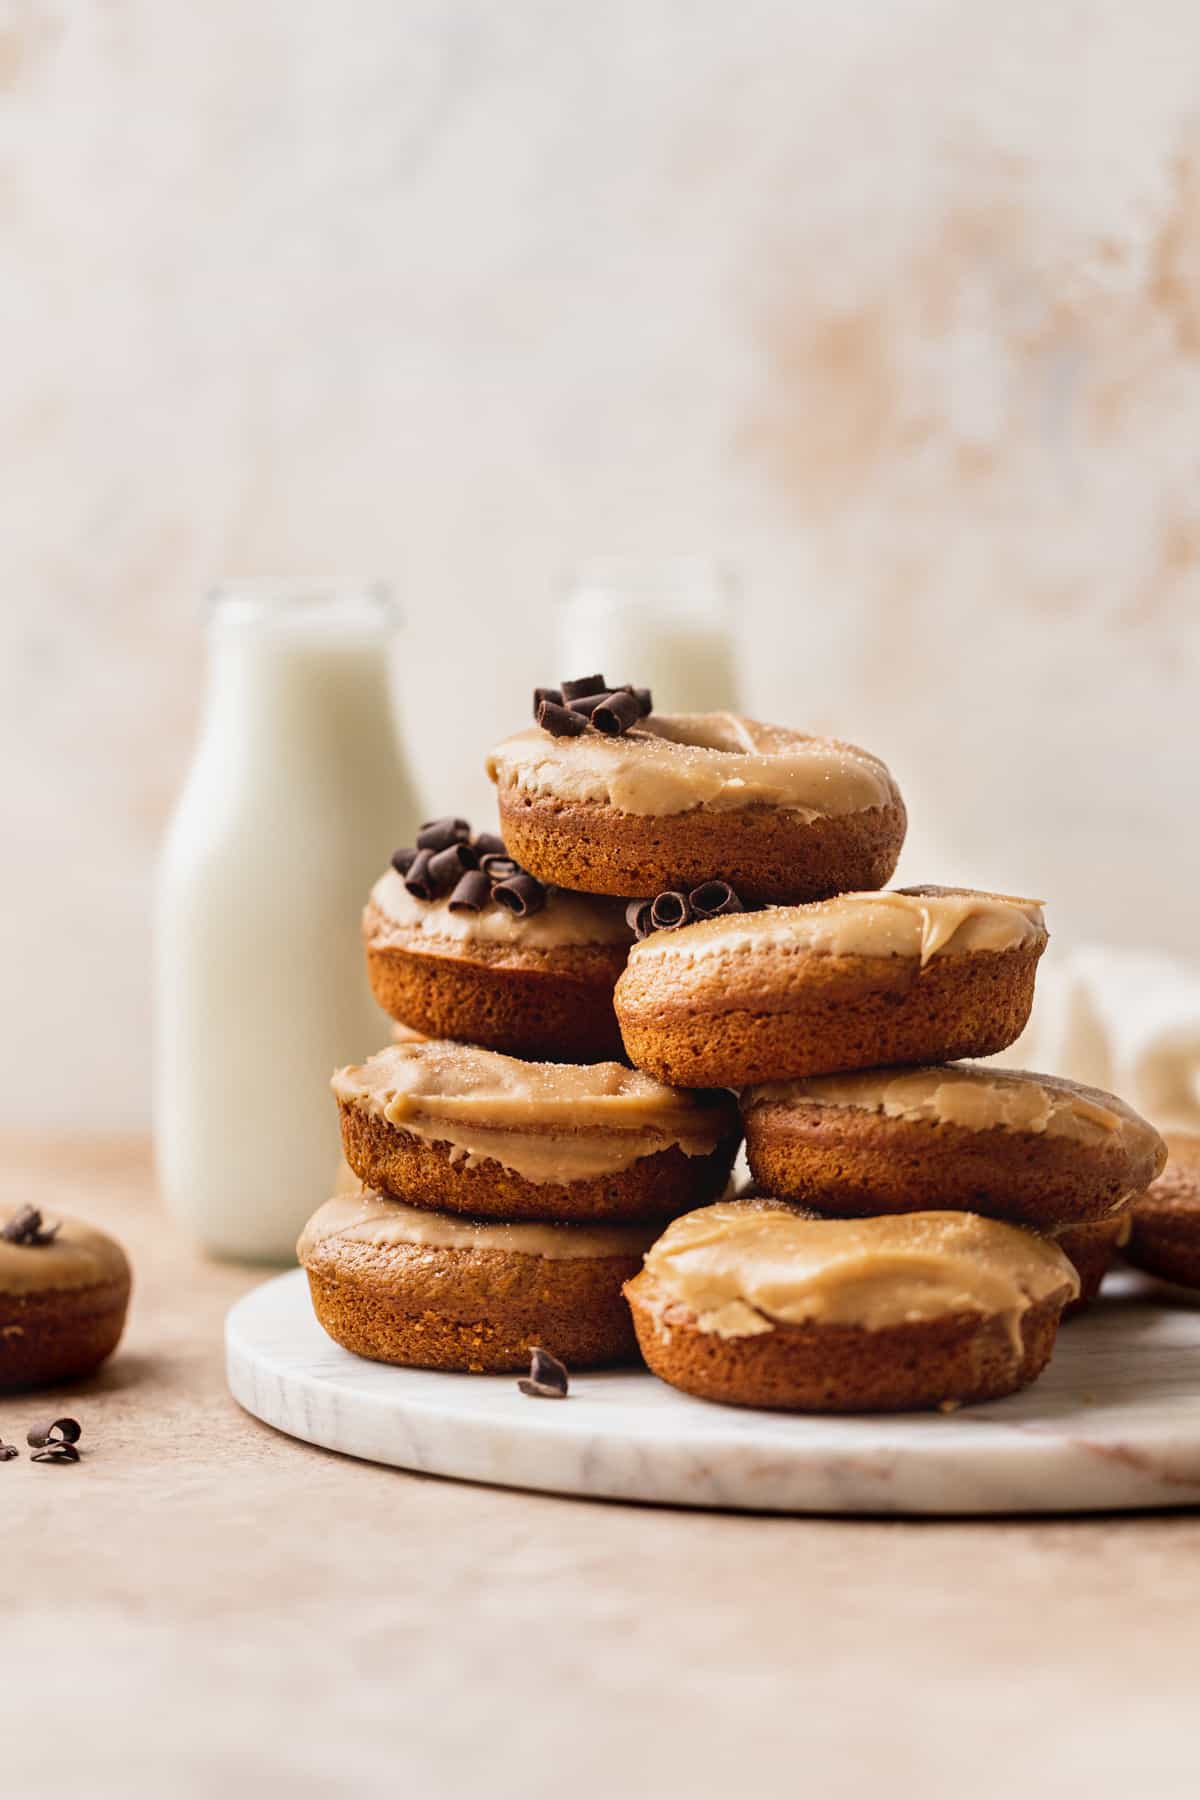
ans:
x=439 y=834
x=671 y=910
x=472 y=892
x=712 y=898
x=25 y=1227
x=418 y=880
x=567 y=710
x=522 y=894
x=403 y=860
x=447 y=865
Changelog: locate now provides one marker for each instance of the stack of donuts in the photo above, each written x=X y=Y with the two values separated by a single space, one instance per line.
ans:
x=680 y=935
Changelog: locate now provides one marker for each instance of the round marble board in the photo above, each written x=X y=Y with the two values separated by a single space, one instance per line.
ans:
x=1113 y=1423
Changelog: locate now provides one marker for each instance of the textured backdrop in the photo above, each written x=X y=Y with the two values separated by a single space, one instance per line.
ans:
x=898 y=307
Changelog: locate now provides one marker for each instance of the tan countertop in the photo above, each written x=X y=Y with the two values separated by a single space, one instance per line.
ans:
x=202 y=1607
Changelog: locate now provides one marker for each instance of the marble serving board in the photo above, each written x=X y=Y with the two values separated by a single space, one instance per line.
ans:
x=1114 y=1423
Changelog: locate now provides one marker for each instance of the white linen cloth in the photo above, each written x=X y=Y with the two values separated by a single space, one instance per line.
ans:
x=1125 y=1020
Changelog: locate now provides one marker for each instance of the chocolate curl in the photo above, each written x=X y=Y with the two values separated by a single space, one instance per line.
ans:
x=548 y=1379
x=553 y=695
x=713 y=898
x=487 y=843
x=418 y=880
x=472 y=892
x=637 y=917
x=560 y=721
x=499 y=868
x=522 y=894
x=616 y=713
x=403 y=860
x=447 y=865
x=587 y=684
x=669 y=911
x=587 y=706
x=439 y=834
x=644 y=699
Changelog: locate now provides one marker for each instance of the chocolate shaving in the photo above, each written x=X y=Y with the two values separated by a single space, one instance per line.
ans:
x=521 y=893
x=586 y=684
x=616 y=713
x=487 y=843
x=560 y=721
x=713 y=898
x=403 y=860
x=669 y=911
x=445 y=866
x=547 y=1378
x=637 y=917
x=644 y=699
x=25 y=1227
x=499 y=868
x=587 y=705
x=418 y=880
x=56 y=1441
x=554 y=695
x=439 y=834
x=472 y=892
x=8 y=1451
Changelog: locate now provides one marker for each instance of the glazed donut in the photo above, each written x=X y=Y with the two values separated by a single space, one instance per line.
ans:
x=465 y=1129
x=906 y=976
x=64 y=1292
x=1033 y=1149
x=1164 y=1222
x=1089 y=1250
x=401 y=1284
x=683 y=797
x=538 y=985
x=757 y=1305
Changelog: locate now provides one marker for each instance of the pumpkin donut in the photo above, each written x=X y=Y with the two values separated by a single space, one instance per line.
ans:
x=757 y=1305
x=910 y=975
x=681 y=797
x=1033 y=1149
x=1164 y=1222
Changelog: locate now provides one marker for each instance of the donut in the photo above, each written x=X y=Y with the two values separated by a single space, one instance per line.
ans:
x=64 y=1293
x=683 y=797
x=757 y=1305
x=472 y=1131
x=910 y=975
x=402 y=1284
x=538 y=985
x=1164 y=1222
x=1033 y=1149
x=1089 y=1250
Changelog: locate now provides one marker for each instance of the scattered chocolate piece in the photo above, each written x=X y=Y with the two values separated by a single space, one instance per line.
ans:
x=712 y=898
x=587 y=705
x=439 y=834
x=445 y=866
x=56 y=1441
x=521 y=893
x=488 y=843
x=403 y=860
x=547 y=1378
x=644 y=699
x=616 y=713
x=669 y=911
x=587 y=684
x=472 y=892
x=418 y=880
x=637 y=917
x=559 y=721
x=8 y=1451
x=25 y=1227
x=554 y=695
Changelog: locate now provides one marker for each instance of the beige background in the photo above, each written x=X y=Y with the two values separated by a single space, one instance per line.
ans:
x=895 y=306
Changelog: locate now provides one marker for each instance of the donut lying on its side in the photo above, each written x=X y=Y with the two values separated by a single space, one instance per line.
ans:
x=1164 y=1222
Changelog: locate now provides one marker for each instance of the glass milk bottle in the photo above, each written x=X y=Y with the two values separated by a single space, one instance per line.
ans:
x=296 y=797
x=664 y=625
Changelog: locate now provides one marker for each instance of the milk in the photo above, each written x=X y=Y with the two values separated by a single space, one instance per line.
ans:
x=295 y=799
x=664 y=626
